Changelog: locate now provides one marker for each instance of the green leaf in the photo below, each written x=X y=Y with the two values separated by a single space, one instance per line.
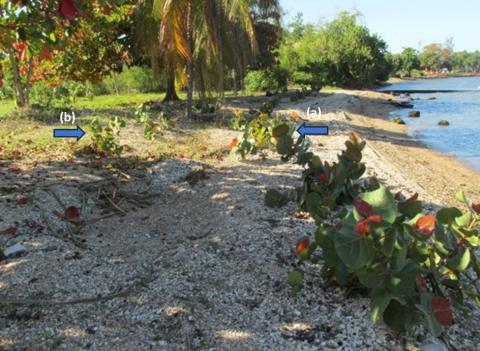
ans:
x=464 y=220
x=274 y=198
x=353 y=249
x=379 y=302
x=315 y=207
x=383 y=203
x=295 y=279
x=387 y=242
x=460 y=196
x=280 y=131
x=52 y=37
x=460 y=262
x=403 y=282
x=447 y=215
x=398 y=317
x=410 y=209
x=284 y=145
x=372 y=279
x=341 y=274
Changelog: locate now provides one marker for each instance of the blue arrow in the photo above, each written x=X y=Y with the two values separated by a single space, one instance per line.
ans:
x=69 y=133
x=304 y=130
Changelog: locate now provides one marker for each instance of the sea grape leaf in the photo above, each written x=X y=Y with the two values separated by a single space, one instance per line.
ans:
x=460 y=261
x=379 y=302
x=383 y=203
x=354 y=250
x=447 y=215
x=398 y=317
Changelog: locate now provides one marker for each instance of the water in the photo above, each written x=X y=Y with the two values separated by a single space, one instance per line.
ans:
x=462 y=138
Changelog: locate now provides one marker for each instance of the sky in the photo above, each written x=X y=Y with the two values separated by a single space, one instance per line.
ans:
x=402 y=23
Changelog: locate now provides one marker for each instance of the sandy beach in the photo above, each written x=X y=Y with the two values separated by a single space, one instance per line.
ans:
x=436 y=176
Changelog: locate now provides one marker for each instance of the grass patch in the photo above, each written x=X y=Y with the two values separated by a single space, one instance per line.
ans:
x=6 y=107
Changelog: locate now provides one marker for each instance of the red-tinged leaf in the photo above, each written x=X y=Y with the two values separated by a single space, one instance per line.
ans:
x=106 y=10
x=426 y=225
x=413 y=198
x=442 y=310
x=1 y=83
x=398 y=196
x=375 y=219
x=302 y=245
x=322 y=178
x=21 y=200
x=476 y=208
x=363 y=207
x=45 y=54
x=72 y=214
x=9 y=231
x=233 y=143
x=21 y=48
x=15 y=169
x=362 y=227
x=68 y=9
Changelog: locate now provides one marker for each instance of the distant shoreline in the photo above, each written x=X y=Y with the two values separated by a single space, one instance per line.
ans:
x=394 y=80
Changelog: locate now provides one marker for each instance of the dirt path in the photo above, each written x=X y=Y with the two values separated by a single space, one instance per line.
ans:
x=202 y=267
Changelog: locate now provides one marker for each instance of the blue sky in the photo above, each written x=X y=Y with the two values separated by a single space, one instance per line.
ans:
x=402 y=23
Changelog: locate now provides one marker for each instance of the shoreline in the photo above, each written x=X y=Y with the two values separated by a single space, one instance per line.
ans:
x=436 y=175
x=440 y=174
x=394 y=80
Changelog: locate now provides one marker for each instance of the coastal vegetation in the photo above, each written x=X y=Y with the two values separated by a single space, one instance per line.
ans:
x=434 y=59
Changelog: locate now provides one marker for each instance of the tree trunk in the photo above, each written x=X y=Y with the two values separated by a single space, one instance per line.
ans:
x=171 y=93
x=17 y=81
x=190 y=62
x=234 y=77
x=115 y=84
x=28 y=85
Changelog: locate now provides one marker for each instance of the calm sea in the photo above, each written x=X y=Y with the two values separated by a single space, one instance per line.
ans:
x=462 y=109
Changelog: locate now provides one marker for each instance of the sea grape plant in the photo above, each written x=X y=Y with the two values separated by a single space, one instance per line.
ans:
x=153 y=124
x=414 y=266
x=105 y=138
x=325 y=185
x=263 y=131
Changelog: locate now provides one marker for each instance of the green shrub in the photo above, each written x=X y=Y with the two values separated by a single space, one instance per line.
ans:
x=416 y=73
x=132 y=80
x=443 y=123
x=264 y=132
x=153 y=122
x=415 y=267
x=260 y=81
x=105 y=138
x=60 y=96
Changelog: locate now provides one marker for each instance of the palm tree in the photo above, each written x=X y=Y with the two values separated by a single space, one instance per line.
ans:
x=195 y=40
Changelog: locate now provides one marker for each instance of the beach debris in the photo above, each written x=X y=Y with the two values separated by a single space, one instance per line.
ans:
x=398 y=120
x=436 y=345
x=443 y=123
x=414 y=113
x=14 y=250
x=71 y=214
x=21 y=200
x=9 y=231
